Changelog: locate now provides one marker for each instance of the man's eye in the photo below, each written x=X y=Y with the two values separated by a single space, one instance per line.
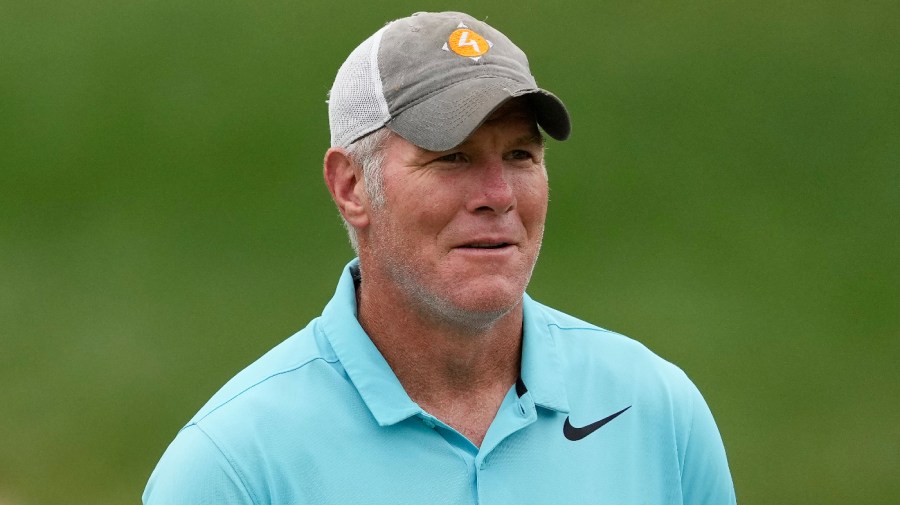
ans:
x=520 y=154
x=452 y=158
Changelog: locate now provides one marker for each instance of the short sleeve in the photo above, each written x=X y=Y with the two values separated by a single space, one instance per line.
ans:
x=194 y=471
x=706 y=479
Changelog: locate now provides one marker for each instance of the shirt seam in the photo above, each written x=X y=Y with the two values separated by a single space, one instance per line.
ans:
x=572 y=328
x=248 y=388
x=230 y=463
x=687 y=442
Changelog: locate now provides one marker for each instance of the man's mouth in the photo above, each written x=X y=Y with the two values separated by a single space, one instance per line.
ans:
x=497 y=245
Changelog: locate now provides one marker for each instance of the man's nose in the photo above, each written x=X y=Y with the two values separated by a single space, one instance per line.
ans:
x=494 y=192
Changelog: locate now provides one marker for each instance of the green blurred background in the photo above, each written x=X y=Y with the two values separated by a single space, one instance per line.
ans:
x=727 y=198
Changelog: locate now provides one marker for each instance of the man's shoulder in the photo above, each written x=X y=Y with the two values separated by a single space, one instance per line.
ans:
x=589 y=348
x=559 y=320
x=584 y=335
x=261 y=384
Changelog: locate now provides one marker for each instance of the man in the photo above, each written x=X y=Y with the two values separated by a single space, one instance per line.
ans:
x=431 y=377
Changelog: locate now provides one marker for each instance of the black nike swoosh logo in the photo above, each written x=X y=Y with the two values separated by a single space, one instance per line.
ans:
x=575 y=434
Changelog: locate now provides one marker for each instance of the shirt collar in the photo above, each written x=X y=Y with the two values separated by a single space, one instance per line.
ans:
x=541 y=369
x=368 y=371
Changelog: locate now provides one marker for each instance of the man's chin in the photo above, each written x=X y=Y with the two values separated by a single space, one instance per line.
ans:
x=476 y=310
x=473 y=320
x=458 y=295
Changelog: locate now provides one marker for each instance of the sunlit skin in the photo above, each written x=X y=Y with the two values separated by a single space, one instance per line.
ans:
x=445 y=261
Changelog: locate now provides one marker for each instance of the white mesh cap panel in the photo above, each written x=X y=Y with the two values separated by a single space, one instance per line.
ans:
x=356 y=104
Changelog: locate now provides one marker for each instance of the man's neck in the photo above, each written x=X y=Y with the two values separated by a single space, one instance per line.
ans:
x=458 y=374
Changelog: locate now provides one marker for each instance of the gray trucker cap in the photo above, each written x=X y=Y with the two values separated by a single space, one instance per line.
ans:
x=434 y=78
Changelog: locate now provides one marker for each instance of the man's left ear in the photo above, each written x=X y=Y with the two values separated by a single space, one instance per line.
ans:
x=345 y=183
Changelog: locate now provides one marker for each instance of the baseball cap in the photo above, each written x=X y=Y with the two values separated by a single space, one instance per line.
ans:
x=433 y=78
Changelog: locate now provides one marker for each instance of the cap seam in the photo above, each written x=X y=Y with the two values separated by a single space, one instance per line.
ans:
x=441 y=90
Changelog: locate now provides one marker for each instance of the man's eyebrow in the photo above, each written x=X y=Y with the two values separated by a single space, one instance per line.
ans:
x=530 y=138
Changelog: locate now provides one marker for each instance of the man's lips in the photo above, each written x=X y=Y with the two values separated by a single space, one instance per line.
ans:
x=486 y=246
x=487 y=243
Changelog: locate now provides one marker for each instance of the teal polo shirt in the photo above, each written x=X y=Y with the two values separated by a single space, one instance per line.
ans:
x=321 y=419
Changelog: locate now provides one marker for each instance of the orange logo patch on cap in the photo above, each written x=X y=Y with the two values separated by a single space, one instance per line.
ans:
x=466 y=42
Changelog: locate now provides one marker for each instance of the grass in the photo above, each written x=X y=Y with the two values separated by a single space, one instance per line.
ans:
x=728 y=198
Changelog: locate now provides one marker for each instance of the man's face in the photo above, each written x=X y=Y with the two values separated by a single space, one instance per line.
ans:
x=460 y=230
